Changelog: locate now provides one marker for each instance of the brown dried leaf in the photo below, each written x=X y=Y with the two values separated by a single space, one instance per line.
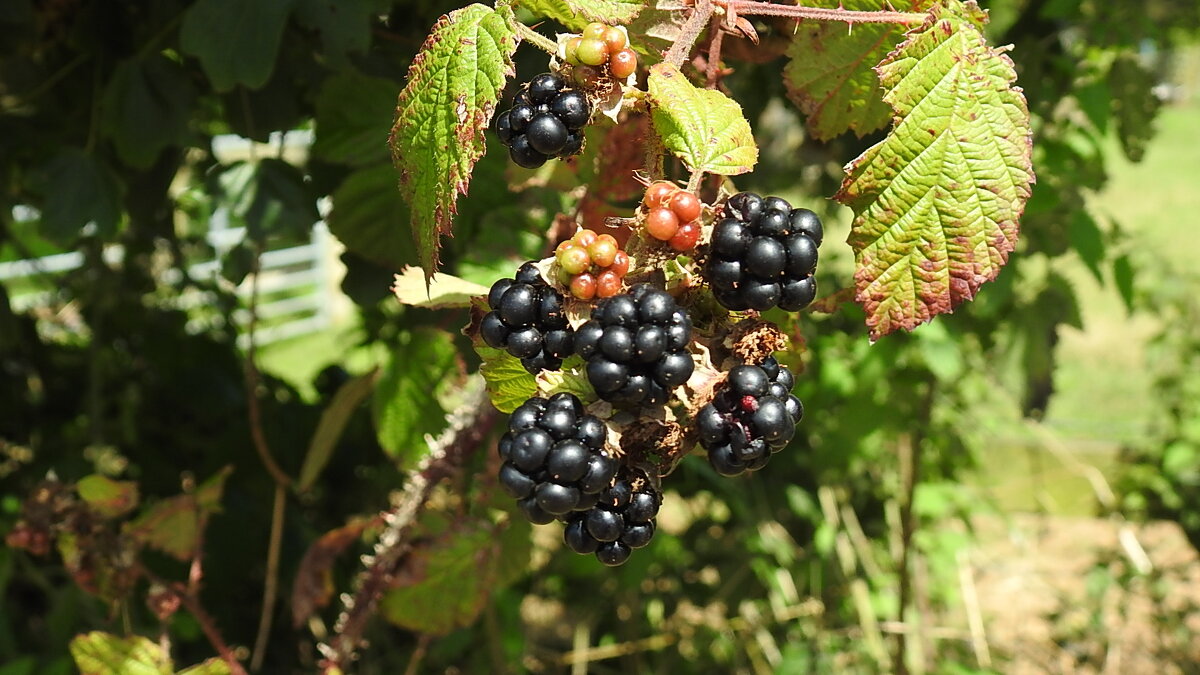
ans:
x=313 y=587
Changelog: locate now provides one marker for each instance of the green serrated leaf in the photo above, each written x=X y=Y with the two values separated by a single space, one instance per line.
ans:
x=442 y=290
x=344 y=25
x=443 y=112
x=937 y=202
x=508 y=383
x=329 y=429
x=405 y=405
x=703 y=127
x=1134 y=104
x=353 y=118
x=576 y=14
x=269 y=197
x=370 y=217
x=78 y=190
x=236 y=40
x=1088 y=242
x=110 y=498
x=448 y=583
x=146 y=107
x=173 y=525
x=99 y=653
x=571 y=378
x=830 y=73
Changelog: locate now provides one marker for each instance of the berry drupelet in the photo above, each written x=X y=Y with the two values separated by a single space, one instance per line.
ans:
x=752 y=417
x=622 y=519
x=635 y=345
x=763 y=254
x=545 y=121
x=528 y=321
x=555 y=460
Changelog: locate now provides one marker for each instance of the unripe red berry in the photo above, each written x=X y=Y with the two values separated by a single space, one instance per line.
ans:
x=685 y=205
x=662 y=224
x=622 y=64
x=657 y=194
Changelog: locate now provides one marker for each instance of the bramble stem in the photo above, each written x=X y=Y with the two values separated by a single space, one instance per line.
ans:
x=537 y=38
x=468 y=428
x=755 y=8
x=679 y=51
x=272 y=582
x=713 y=71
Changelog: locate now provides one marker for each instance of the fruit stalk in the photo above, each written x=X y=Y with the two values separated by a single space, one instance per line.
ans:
x=537 y=39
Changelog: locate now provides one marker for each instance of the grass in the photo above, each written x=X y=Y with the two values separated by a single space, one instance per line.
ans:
x=297 y=361
x=1104 y=394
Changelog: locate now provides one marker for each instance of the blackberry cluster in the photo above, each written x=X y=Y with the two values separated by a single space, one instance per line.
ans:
x=546 y=120
x=528 y=321
x=754 y=416
x=635 y=346
x=764 y=254
x=554 y=458
x=621 y=520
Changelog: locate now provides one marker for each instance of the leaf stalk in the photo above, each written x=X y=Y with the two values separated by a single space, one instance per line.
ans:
x=537 y=39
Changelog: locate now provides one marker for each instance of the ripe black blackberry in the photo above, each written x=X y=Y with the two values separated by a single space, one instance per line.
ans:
x=763 y=253
x=554 y=458
x=528 y=321
x=752 y=417
x=546 y=120
x=636 y=347
x=621 y=520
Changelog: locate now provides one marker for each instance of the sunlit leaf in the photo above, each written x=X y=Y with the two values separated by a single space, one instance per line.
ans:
x=576 y=14
x=937 y=202
x=443 y=290
x=703 y=127
x=98 y=653
x=443 y=113
x=508 y=383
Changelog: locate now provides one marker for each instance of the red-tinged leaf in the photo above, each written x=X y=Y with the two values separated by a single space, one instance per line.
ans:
x=443 y=112
x=937 y=202
x=173 y=525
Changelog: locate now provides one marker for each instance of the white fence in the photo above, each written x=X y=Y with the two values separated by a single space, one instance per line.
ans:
x=304 y=278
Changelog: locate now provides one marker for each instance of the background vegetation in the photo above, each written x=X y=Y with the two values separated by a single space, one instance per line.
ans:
x=880 y=540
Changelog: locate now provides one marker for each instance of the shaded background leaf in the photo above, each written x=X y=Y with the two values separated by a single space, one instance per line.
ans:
x=830 y=73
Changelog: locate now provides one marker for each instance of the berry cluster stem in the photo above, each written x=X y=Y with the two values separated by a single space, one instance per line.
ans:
x=679 y=51
x=850 y=16
x=537 y=39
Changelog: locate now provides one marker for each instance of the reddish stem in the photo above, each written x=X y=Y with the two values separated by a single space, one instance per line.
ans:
x=754 y=8
x=713 y=71
x=679 y=51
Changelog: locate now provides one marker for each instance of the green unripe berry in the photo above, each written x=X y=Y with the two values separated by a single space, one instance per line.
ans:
x=574 y=259
x=595 y=30
x=592 y=51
